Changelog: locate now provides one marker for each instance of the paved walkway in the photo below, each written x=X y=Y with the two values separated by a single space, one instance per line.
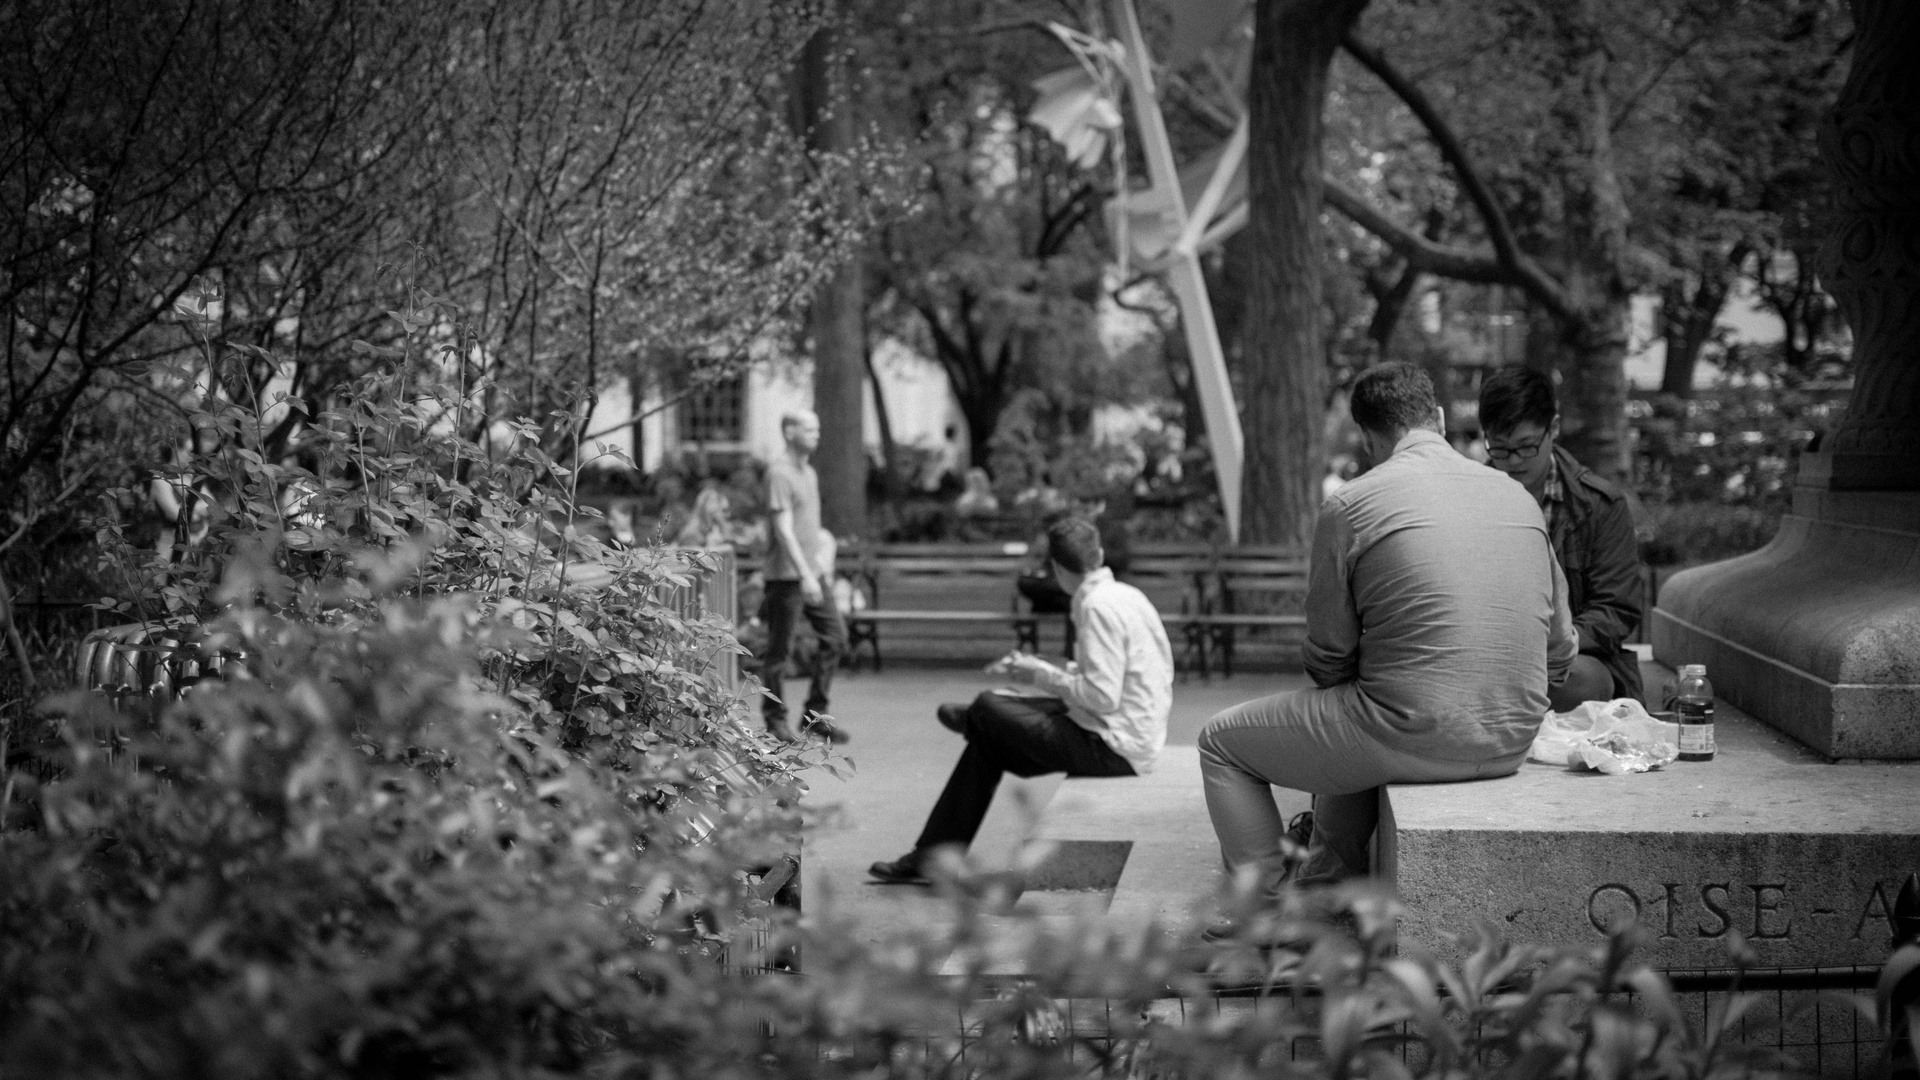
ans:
x=899 y=760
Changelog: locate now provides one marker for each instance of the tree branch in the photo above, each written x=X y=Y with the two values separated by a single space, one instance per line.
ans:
x=1520 y=269
x=1420 y=253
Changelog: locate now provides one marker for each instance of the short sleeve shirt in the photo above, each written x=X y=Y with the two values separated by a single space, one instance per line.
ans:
x=795 y=489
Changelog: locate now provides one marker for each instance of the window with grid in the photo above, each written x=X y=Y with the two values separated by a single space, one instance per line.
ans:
x=716 y=414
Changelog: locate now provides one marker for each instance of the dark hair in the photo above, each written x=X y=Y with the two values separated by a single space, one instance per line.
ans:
x=1512 y=396
x=1392 y=397
x=1075 y=544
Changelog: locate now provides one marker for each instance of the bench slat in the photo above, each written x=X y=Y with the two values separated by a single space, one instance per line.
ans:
x=903 y=615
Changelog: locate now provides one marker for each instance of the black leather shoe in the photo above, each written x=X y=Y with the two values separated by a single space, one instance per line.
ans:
x=780 y=731
x=953 y=717
x=819 y=726
x=904 y=870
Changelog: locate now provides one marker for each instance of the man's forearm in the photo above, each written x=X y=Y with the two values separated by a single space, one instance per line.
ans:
x=1327 y=668
x=1079 y=688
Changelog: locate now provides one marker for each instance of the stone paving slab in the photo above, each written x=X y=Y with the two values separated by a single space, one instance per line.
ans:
x=900 y=757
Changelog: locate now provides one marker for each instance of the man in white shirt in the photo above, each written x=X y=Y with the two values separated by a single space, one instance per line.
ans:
x=1105 y=715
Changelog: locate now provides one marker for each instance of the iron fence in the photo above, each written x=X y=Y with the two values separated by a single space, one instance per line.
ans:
x=1810 y=1017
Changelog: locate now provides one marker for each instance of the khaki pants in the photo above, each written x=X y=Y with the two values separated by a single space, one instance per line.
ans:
x=1329 y=742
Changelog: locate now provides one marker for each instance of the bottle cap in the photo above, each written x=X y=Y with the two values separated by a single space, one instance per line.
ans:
x=1693 y=669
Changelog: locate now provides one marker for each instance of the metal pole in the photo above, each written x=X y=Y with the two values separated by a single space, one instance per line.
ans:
x=1183 y=272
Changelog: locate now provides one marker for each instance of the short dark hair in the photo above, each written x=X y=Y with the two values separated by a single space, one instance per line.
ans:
x=1512 y=396
x=1075 y=544
x=1395 y=396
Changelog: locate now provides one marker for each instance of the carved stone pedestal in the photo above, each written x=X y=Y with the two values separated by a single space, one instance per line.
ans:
x=1818 y=634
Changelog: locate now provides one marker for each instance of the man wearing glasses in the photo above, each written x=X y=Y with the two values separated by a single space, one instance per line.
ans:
x=1591 y=526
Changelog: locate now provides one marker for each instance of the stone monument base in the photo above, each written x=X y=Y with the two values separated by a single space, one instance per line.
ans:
x=1818 y=633
x=1801 y=857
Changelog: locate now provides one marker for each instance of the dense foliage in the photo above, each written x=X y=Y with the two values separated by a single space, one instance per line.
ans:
x=484 y=792
x=605 y=190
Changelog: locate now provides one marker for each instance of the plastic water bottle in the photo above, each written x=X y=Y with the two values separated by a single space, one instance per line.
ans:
x=1693 y=708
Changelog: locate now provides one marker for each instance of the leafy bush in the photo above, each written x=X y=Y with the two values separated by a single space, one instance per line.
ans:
x=1692 y=532
x=1736 y=444
x=485 y=792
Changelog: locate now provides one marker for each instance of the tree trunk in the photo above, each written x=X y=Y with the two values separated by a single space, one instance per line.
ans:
x=1689 y=322
x=838 y=319
x=983 y=419
x=1588 y=348
x=1593 y=386
x=1689 y=319
x=1285 y=361
x=1588 y=355
x=1388 y=307
x=839 y=391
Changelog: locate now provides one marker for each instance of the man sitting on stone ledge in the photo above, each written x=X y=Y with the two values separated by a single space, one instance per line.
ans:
x=1105 y=715
x=1590 y=523
x=1436 y=619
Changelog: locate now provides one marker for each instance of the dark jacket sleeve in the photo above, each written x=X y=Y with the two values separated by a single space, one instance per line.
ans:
x=1611 y=609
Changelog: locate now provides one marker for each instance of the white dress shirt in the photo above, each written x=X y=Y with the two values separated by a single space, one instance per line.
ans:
x=1121 y=688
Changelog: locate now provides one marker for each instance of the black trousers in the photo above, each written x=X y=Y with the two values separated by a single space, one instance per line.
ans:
x=781 y=609
x=1019 y=735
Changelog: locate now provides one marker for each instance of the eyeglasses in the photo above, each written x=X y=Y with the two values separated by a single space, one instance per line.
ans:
x=1522 y=452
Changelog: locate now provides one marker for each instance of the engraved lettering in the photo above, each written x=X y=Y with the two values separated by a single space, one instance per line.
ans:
x=1763 y=906
x=1714 y=909
x=1593 y=904
x=1673 y=906
x=1867 y=912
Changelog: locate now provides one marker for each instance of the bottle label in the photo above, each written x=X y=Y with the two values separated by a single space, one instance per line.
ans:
x=1696 y=738
x=1693 y=712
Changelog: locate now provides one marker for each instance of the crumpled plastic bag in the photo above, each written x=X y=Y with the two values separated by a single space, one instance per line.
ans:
x=1614 y=737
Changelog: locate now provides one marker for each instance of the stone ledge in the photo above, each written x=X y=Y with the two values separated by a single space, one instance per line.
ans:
x=1800 y=856
x=1174 y=867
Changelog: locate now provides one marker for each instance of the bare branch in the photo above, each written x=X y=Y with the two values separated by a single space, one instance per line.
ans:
x=1420 y=253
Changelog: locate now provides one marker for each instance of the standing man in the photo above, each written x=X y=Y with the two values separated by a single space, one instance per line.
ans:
x=1436 y=618
x=1590 y=522
x=1105 y=715
x=798 y=581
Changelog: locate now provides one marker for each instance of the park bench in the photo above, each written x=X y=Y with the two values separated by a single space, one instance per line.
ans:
x=945 y=585
x=1254 y=588
x=940 y=573
x=1206 y=595
x=1212 y=594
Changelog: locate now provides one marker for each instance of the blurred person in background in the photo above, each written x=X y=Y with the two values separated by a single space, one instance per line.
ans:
x=799 y=582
